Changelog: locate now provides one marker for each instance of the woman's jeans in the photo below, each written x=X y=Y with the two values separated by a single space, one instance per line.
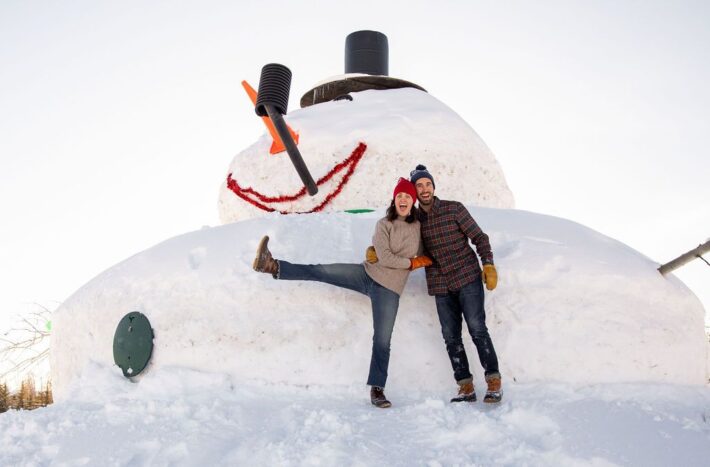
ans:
x=384 y=304
x=466 y=303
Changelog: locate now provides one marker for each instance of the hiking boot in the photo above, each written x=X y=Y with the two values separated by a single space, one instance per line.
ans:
x=494 y=393
x=466 y=392
x=378 y=398
x=264 y=262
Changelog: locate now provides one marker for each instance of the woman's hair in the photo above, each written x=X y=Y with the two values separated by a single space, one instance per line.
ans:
x=392 y=213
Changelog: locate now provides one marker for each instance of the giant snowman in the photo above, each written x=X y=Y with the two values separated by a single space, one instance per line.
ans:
x=572 y=305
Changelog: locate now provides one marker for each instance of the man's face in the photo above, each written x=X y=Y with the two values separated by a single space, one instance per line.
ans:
x=425 y=191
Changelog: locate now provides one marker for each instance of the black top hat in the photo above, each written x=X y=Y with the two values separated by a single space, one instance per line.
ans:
x=366 y=52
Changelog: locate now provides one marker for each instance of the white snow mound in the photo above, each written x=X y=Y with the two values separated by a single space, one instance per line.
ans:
x=572 y=305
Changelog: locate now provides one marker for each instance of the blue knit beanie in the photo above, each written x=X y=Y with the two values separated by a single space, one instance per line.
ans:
x=420 y=172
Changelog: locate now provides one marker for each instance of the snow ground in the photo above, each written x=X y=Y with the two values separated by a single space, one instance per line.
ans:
x=186 y=417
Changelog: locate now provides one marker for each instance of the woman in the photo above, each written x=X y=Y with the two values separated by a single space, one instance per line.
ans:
x=397 y=242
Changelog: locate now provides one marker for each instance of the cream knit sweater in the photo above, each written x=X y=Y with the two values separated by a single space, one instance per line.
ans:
x=395 y=242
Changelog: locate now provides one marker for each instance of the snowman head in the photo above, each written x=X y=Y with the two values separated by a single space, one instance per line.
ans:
x=357 y=132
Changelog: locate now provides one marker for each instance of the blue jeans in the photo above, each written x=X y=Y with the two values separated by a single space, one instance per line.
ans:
x=466 y=303
x=384 y=305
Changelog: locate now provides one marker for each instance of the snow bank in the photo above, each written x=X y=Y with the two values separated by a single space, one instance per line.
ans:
x=572 y=305
x=180 y=417
x=400 y=127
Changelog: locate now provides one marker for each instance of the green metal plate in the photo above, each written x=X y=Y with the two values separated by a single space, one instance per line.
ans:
x=358 y=211
x=133 y=343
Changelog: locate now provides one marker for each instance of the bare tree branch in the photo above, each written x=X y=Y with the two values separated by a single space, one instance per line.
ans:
x=696 y=252
x=27 y=345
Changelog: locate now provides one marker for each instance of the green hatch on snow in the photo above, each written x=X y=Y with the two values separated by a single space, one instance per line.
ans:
x=133 y=343
x=358 y=211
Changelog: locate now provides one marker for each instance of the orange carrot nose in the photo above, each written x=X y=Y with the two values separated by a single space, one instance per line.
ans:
x=277 y=146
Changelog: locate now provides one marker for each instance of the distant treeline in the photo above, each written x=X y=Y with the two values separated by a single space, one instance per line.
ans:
x=28 y=397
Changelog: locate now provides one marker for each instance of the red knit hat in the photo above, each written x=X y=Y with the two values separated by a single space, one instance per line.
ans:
x=404 y=185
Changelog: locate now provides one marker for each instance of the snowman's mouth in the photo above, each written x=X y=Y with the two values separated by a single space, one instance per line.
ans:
x=343 y=170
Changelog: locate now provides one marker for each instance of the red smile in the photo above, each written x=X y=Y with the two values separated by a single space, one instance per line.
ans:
x=263 y=202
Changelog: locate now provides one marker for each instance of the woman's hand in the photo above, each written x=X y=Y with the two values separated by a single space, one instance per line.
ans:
x=419 y=262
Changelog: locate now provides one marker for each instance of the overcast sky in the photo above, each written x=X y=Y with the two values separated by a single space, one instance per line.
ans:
x=118 y=120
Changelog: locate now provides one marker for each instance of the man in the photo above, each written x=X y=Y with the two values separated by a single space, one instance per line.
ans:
x=455 y=279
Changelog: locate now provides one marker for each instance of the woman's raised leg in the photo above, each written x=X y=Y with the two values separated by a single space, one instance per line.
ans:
x=347 y=276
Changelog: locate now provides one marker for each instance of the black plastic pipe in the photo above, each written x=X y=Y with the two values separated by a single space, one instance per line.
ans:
x=272 y=100
x=291 y=149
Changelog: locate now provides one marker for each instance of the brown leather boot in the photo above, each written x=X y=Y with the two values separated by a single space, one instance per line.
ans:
x=378 y=398
x=494 y=393
x=264 y=262
x=467 y=393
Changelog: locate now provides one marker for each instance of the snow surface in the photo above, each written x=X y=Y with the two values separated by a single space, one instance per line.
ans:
x=572 y=305
x=401 y=128
x=176 y=416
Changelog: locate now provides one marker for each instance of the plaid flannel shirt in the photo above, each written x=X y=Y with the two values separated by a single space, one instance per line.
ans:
x=446 y=231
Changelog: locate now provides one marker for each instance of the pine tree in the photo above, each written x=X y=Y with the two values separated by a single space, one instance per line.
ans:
x=48 y=397
x=4 y=398
x=31 y=395
x=44 y=396
x=20 y=401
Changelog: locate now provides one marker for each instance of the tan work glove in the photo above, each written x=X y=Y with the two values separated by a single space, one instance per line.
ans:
x=371 y=255
x=419 y=262
x=490 y=276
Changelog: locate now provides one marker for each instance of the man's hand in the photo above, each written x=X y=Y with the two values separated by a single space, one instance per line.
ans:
x=371 y=255
x=490 y=276
x=419 y=262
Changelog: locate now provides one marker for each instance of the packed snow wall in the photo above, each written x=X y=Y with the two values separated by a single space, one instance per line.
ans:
x=357 y=149
x=572 y=305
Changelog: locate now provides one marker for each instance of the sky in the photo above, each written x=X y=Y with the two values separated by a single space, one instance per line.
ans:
x=119 y=119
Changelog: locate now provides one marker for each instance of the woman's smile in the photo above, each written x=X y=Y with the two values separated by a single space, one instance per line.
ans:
x=403 y=202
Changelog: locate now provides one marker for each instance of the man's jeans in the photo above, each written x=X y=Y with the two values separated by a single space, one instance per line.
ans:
x=466 y=303
x=384 y=304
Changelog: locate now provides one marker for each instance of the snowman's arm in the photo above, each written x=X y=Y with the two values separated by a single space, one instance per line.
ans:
x=385 y=257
